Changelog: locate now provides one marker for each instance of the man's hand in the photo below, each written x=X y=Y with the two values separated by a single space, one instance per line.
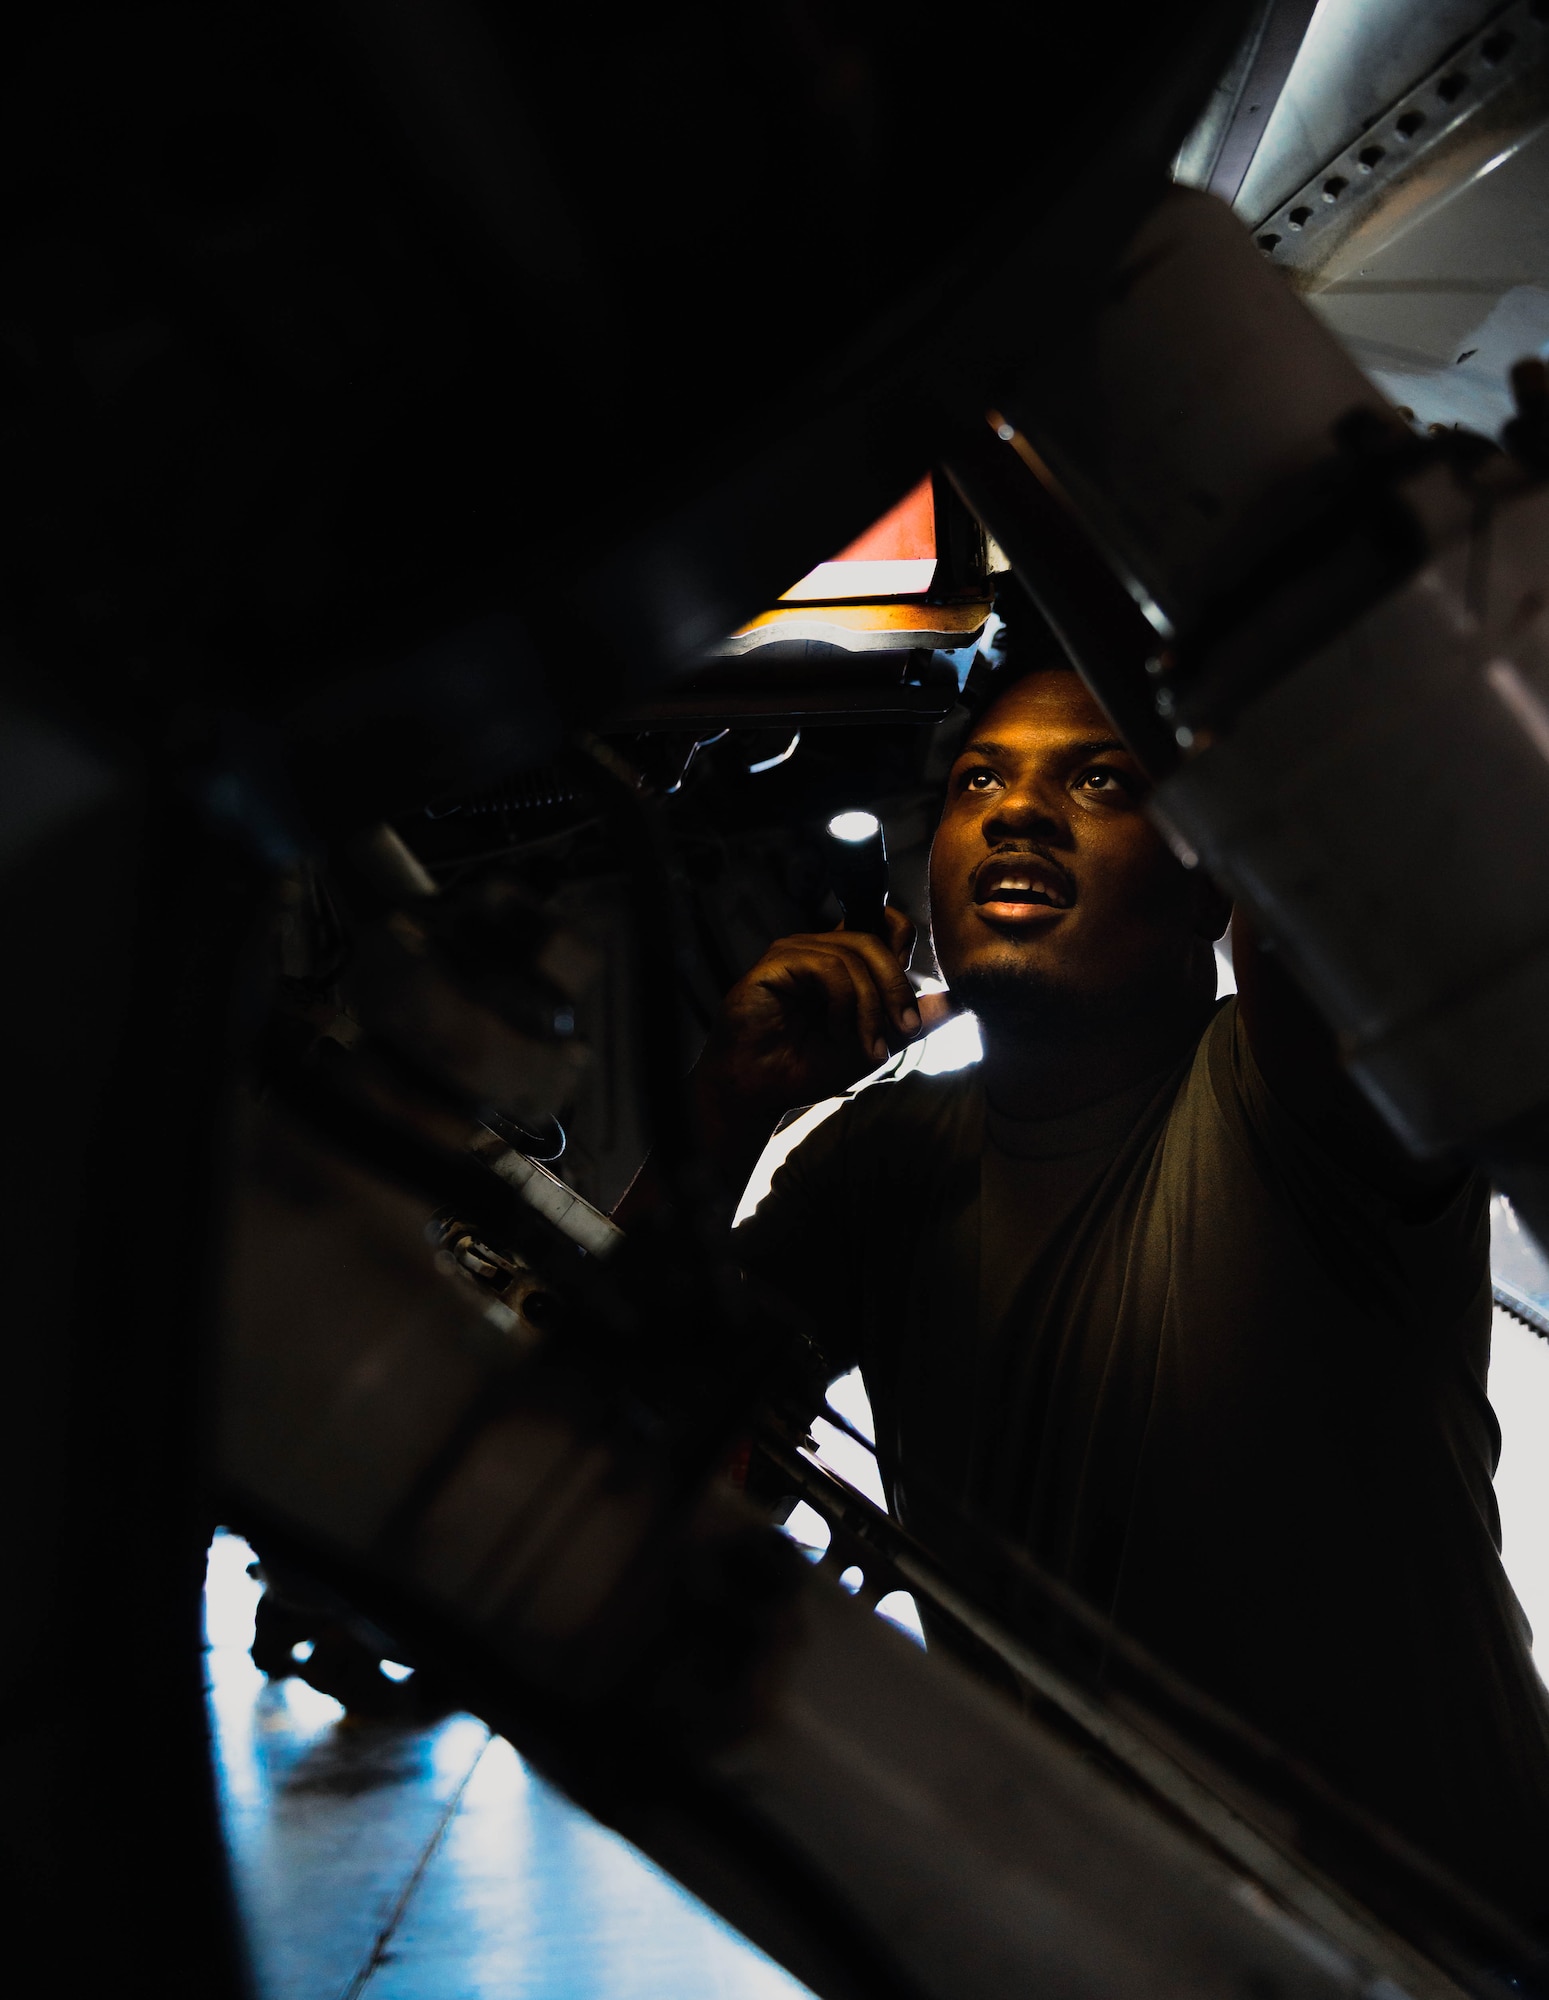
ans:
x=814 y=1015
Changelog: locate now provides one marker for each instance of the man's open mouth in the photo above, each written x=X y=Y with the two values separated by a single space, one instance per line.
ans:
x=1014 y=888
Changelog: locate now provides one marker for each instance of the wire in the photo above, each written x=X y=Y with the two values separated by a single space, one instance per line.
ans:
x=769 y=763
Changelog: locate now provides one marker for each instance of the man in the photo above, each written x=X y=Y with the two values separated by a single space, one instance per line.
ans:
x=1152 y=1293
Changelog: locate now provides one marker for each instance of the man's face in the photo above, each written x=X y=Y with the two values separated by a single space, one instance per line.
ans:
x=1049 y=888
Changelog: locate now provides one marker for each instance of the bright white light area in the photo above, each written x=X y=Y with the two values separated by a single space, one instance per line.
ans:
x=900 y=1609
x=395 y=1670
x=854 y=826
x=954 y=1045
x=853 y=1462
x=848 y=1396
x=896 y=576
x=807 y=1529
x=1152 y=612
x=301 y=1712
x=1519 y=1390
x=230 y=1594
x=1226 y=977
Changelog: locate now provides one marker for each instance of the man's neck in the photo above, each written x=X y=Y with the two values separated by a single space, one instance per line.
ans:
x=1031 y=1077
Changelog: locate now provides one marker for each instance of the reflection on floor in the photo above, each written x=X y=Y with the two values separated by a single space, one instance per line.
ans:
x=430 y=1864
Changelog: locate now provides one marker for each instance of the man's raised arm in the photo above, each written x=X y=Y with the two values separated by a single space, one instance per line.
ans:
x=1297 y=1054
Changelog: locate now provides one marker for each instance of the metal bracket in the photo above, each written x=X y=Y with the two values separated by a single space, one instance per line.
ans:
x=1461 y=120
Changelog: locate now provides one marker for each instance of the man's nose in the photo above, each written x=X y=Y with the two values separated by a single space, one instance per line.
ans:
x=1029 y=807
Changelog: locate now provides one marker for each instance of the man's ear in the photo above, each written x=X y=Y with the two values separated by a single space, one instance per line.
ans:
x=1212 y=907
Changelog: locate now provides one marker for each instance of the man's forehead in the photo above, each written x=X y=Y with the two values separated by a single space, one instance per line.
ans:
x=1044 y=708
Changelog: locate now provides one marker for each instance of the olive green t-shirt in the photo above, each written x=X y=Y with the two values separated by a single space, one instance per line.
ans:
x=1192 y=1358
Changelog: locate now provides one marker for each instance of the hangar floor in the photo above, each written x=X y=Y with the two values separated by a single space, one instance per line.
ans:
x=388 y=1862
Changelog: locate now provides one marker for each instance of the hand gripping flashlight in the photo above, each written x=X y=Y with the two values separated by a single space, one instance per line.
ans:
x=857 y=862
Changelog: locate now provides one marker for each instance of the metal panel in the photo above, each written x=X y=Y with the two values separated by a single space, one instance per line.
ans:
x=1220 y=150
x=1459 y=122
x=1437 y=317
x=1356 y=58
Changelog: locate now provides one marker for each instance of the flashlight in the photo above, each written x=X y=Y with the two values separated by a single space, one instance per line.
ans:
x=857 y=864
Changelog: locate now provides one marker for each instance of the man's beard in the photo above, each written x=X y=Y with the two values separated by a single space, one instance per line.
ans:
x=1015 y=1003
x=1018 y=1005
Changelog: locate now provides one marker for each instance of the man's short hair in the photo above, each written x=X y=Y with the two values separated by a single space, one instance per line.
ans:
x=1024 y=644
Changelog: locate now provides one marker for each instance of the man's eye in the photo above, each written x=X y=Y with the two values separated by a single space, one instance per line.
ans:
x=979 y=779
x=1103 y=784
